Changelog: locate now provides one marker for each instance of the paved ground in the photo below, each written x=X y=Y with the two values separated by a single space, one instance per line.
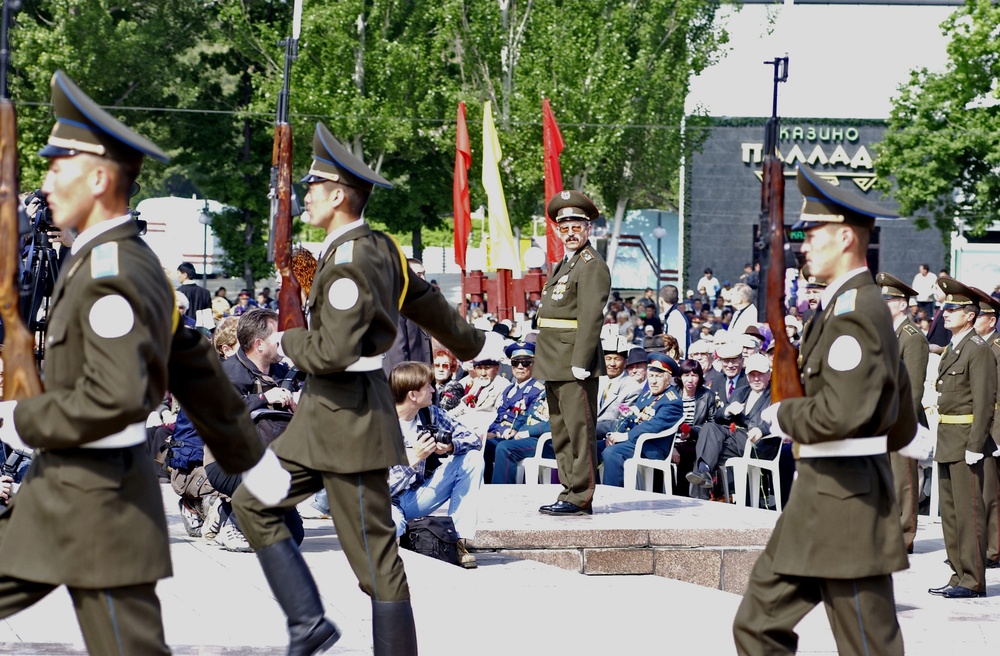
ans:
x=218 y=604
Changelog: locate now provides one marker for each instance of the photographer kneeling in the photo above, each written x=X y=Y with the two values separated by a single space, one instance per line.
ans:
x=427 y=429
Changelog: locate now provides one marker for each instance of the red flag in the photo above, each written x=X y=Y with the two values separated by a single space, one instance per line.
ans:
x=460 y=193
x=554 y=144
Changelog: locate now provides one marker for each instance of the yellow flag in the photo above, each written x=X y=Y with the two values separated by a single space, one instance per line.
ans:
x=502 y=251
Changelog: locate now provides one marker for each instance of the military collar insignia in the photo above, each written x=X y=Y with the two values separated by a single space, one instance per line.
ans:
x=587 y=256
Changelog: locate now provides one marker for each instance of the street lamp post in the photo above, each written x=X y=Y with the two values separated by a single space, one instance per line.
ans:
x=204 y=219
x=659 y=232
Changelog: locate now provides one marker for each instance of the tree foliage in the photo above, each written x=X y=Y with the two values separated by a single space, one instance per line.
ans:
x=941 y=151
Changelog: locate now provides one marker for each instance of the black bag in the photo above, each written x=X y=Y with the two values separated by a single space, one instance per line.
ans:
x=270 y=423
x=432 y=536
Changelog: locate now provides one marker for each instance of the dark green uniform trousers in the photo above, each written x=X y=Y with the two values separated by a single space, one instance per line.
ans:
x=114 y=621
x=361 y=510
x=862 y=612
x=963 y=522
x=991 y=500
x=904 y=474
x=573 y=421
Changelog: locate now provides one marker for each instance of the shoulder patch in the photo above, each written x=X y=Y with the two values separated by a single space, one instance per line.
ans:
x=845 y=353
x=976 y=339
x=996 y=342
x=671 y=395
x=586 y=256
x=104 y=260
x=344 y=253
x=845 y=302
x=343 y=294
x=111 y=317
x=912 y=330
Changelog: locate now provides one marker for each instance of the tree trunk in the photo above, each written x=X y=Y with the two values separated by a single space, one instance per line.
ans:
x=248 y=231
x=418 y=244
x=616 y=231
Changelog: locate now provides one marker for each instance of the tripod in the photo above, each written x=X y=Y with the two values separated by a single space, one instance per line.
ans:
x=41 y=268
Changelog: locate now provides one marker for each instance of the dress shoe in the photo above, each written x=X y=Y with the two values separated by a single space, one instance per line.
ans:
x=958 y=592
x=565 y=508
x=992 y=564
x=939 y=591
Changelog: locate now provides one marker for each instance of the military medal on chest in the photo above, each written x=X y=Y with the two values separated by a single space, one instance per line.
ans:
x=560 y=288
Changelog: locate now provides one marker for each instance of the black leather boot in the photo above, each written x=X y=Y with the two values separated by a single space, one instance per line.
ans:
x=393 y=632
x=309 y=632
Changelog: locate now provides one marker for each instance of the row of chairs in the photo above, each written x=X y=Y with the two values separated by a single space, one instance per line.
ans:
x=639 y=471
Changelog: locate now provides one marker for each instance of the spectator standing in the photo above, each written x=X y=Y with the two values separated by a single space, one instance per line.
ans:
x=923 y=285
x=710 y=285
x=744 y=311
x=568 y=354
x=673 y=318
x=199 y=298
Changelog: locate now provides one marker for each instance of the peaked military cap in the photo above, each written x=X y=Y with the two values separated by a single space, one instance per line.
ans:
x=811 y=280
x=823 y=202
x=956 y=295
x=987 y=304
x=334 y=162
x=893 y=287
x=571 y=205
x=519 y=350
x=663 y=363
x=83 y=127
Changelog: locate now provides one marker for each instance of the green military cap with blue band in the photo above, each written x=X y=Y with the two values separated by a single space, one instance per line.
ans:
x=82 y=127
x=957 y=295
x=333 y=162
x=823 y=203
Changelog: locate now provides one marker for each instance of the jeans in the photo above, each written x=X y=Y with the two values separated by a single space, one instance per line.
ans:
x=616 y=455
x=457 y=482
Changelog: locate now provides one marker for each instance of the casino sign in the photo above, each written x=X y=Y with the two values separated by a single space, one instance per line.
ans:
x=836 y=152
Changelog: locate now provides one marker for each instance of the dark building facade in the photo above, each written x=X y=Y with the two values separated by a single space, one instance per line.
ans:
x=724 y=191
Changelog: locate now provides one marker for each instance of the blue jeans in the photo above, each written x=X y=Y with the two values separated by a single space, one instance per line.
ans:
x=616 y=455
x=456 y=481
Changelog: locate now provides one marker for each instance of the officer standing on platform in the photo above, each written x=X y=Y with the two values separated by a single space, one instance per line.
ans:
x=855 y=410
x=986 y=324
x=568 y=351
x=345 y=433
x=967 y=393
x=914 y=351
x=89 y=514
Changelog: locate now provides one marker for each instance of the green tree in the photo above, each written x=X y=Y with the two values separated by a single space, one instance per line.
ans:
x=941 y=151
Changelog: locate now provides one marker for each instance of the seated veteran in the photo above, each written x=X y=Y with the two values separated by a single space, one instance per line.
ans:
x=514 y=402
x=739 y=421
x=617 y=388
x=656 y=410
x=483 y=394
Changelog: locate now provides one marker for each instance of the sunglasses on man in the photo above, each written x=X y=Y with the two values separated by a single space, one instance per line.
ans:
x=576 y=229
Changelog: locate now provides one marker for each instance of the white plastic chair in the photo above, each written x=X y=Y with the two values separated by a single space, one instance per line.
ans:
x=535 y=465
x=745 y=465
x=637 y=466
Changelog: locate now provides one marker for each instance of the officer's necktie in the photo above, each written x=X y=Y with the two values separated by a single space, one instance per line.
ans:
x=732 y=386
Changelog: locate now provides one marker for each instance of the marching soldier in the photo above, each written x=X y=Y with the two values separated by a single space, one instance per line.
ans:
x=568 y=351
x=849 y=419
x=114 y=344
x=914 y=351
x=986 y=324
x=345 y=433
x=967 y=393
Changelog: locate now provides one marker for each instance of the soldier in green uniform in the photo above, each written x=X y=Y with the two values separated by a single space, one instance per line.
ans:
x=114 y=346
x=568 y=355
x=967 y=394
x=985 y=326
x=345 y=433
x=839 y=539
x=914 y=351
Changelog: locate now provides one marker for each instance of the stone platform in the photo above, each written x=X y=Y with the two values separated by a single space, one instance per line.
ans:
x=703 y=542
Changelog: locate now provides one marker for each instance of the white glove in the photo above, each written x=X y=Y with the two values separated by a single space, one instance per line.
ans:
x=734 y=408
x=580 y=374
x=971 y=457
x=492 y=347
x=268 y=480
x=770 y=416
x=921 y=446
x=996 y=453
x=8 y=432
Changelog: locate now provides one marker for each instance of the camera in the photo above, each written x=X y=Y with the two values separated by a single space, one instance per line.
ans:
x=42 y=219
x=14 y=466
x=440 y=436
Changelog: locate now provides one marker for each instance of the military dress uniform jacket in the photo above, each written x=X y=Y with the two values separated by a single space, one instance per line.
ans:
x=993 y=341
x=854 y=381
x=111 y=355
x=515 y=403
x=577 y=291
x=915 y=351
x=967 y=385
x=346 y=420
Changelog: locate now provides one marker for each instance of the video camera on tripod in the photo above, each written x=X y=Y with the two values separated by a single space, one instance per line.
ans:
x=40 y=267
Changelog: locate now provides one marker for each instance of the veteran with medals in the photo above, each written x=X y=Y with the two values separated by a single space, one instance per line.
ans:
x=568 y=355
x=345 y=433
x=839 y=539
x=915 y=351
x=89 y=514
x=967 y=394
